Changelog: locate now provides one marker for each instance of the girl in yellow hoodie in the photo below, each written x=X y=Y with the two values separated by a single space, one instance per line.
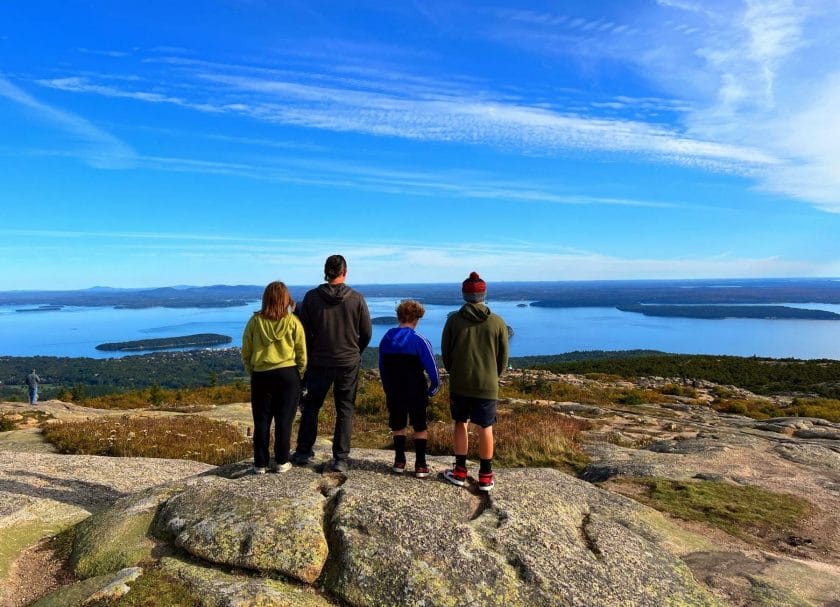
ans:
x=274 y=355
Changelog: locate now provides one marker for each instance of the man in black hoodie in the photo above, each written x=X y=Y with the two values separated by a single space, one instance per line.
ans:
x=338 y=328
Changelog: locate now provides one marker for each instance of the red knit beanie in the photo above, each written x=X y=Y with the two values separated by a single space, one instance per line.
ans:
x=473 y=288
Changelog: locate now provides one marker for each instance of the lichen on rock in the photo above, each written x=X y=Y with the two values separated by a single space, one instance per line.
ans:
x=266 y=523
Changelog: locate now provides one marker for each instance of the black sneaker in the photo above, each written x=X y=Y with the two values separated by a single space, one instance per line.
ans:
x=300 y=459
x=339 y=465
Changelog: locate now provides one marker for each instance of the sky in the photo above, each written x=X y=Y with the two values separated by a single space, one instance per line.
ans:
x=161 y=143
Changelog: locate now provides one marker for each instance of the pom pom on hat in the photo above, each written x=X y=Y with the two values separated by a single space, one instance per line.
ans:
x=474 y=288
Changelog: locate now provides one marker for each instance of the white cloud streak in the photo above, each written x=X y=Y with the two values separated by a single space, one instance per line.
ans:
x=95 y=146
x=384 y=262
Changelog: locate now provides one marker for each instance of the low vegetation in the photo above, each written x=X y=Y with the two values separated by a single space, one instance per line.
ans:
x=12 y=420
x=759 y=375
x=740 y=510
x=166 y=399
x=525 y=435
x=153 y=588
x=189 y=437
x=728 y=402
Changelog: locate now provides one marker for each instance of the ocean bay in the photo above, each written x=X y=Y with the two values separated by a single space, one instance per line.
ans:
x=77 y=330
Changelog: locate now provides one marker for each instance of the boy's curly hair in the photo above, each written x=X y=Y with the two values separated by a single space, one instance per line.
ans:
x=410 y=310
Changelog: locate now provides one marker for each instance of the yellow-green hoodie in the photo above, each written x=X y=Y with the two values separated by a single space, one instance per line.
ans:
x=273 y=344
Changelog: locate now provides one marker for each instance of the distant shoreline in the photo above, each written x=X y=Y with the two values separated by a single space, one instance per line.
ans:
x=569 y=294
x=721 y=312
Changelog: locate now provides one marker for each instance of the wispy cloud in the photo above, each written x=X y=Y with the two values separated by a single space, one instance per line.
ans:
x=759 y=75
x=92 y=144
x=384 y=261
x=470 y=120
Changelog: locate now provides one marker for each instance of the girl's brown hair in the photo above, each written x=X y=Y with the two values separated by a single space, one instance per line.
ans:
x=276 y=301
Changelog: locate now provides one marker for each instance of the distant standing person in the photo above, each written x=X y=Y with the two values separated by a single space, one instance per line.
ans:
x=475 y=353
x=274 y=355
x=32 y=380
x=404 y=356
x=338 y=329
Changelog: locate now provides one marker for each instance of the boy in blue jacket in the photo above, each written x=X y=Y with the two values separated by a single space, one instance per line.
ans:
x=404 y=355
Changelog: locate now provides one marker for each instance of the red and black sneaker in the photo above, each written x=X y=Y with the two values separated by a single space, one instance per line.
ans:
x=485 y=481
x=421 y=470
x=399 y=467
x=457 y=475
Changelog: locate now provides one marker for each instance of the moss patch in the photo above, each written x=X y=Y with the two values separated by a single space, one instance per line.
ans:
x=153 y=589
x=21 y=536
x=743 y=511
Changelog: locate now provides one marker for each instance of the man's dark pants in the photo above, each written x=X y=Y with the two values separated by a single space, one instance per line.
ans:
x=344 y=381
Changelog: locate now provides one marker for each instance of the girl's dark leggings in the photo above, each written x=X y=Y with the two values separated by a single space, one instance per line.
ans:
x=274 y=396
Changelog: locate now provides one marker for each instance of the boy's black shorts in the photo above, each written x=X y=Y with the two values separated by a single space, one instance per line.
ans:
x=400 y=413
x=480 y=411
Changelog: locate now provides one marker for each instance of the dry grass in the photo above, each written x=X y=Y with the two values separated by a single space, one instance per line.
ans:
x=183 y=400
x=181 y=437
x=524 y=436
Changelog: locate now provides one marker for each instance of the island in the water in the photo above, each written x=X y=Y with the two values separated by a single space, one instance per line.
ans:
x=719 y=312
x=44 y=308
x=385 y=320
x=199 y=340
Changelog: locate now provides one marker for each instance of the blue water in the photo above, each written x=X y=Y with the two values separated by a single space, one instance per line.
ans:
x=75 y=331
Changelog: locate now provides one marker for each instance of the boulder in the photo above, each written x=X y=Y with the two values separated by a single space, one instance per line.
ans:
x=271 y=523
x=541 y=538
x=118 y=537
x=214 y=588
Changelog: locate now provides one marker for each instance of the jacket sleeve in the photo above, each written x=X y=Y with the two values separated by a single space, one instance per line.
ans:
x=247 y=346
x=300 y=347
x=502 y=348
x=427 y=357
x=365 y=326
x=445 y=346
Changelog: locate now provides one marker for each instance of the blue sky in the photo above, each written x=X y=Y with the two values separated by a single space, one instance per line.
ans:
x=159 y=143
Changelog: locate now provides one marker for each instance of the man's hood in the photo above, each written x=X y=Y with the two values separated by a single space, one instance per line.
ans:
x=269 y=331
x=334 y=294
x=475 y=312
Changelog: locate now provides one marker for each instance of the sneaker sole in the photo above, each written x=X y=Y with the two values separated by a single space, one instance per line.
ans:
x=486 y=488
x=398 y=470
x=421 y=474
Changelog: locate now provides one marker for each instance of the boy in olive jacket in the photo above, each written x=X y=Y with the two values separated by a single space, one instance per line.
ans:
x=474 y=347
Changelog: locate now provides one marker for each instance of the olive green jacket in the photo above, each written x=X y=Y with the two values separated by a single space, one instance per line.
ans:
x=475 y=351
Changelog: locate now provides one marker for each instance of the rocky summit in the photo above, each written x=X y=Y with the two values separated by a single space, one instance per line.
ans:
x=368 y=537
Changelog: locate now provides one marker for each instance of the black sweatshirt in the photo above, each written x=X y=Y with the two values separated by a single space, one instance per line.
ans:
x=337 y=325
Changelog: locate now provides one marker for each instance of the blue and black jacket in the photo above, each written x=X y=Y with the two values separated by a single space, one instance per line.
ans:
x=403 y=356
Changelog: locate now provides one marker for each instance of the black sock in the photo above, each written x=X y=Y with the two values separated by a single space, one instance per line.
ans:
x=461 y=460
x=485 y=466
x=420 y=451
x=399 y=447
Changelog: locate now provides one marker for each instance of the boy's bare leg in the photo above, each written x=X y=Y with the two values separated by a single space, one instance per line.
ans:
x=459 y=438
x=485 y=443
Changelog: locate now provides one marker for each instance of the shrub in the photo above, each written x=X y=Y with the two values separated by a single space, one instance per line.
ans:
x=181 y=437
x=826 y=408
x=678 y=390
x=523 y=437
x=195 y=399
x=631 y=397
